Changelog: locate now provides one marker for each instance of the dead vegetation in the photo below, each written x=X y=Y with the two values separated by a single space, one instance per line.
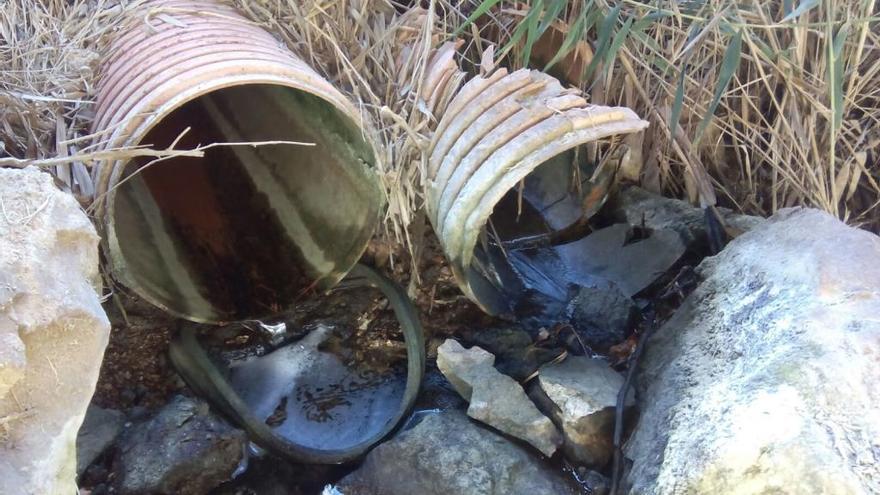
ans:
x=777 y=101
x=49 y=55
x=773 y=104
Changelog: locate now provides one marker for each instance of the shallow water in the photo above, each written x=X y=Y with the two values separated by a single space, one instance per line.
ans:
x=315 y=397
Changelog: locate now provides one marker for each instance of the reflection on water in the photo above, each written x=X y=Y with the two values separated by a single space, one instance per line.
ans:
x=313 y=394
x=319 y=402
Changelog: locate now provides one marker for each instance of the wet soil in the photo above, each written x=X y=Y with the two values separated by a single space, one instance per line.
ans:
x=137 y=377
x=136 y=371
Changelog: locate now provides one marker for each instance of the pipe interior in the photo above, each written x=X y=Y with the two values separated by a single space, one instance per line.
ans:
x=522 y=282
x=244 y=232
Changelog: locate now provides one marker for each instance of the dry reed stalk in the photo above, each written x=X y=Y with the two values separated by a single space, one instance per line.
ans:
x=790 y=90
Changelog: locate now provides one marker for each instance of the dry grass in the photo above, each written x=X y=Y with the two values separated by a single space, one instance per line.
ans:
x=390 y=60
x=795 y=124
x=798 y=121
x=377 y=53
x=49 y=54
x=779 y=106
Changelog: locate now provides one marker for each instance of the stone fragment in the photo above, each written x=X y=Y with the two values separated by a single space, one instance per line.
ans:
x=446 y=453
x=602 y=315
x=766 y=379
x=583 y=392
x=53 y=331
x=639 y=207
x=617 y=254
x=495 y=399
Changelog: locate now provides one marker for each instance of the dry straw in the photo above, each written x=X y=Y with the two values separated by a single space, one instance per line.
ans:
x=762 y=104
x=775 y=103
x=49 y=51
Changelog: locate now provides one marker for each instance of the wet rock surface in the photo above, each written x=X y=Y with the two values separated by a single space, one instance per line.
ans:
x=495 y=399
x=629 y=257
x=588 y=283
x=602 y=315
x=184 y=449
x=516 y=355
x=535 y=281
x=581 y=394
x=447 y=453
x=765 y=380
x=98 y=431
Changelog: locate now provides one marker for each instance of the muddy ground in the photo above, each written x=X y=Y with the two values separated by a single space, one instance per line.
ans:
x=137 y=377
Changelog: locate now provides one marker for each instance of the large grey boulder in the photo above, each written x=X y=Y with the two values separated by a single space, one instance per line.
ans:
x=53 y=331
x=184 y=450
x=582 y=395
x=495 y=399
x=446 y=453
x=766 y=380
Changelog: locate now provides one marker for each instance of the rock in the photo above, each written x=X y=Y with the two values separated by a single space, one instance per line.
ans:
x=766 y=379
x=616 y=254
x=437 y=393
x=515 y=354
x=446 y=453
x=270 y=475
x=53 y=331
x=602 y=315
x=185 y=449
x=639 y=207
x=495 y=399
x=583 y=393
x=593 y=482
x=98 y=431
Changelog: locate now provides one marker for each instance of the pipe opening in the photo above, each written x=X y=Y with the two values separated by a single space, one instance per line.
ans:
x=245 y=231
x=522 y=281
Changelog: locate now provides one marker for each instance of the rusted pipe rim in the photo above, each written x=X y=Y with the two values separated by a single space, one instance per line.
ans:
x=192 y=49
x=471 y=156
x=114 y=174
x=495 y=132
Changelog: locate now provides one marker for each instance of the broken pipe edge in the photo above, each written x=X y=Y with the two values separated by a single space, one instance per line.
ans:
x=494 y=133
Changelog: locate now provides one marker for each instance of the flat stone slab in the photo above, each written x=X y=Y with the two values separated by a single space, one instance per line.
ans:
x=495 y=398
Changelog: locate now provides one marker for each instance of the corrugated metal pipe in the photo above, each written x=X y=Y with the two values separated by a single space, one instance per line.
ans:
x=244 y=231
x=495 y=132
